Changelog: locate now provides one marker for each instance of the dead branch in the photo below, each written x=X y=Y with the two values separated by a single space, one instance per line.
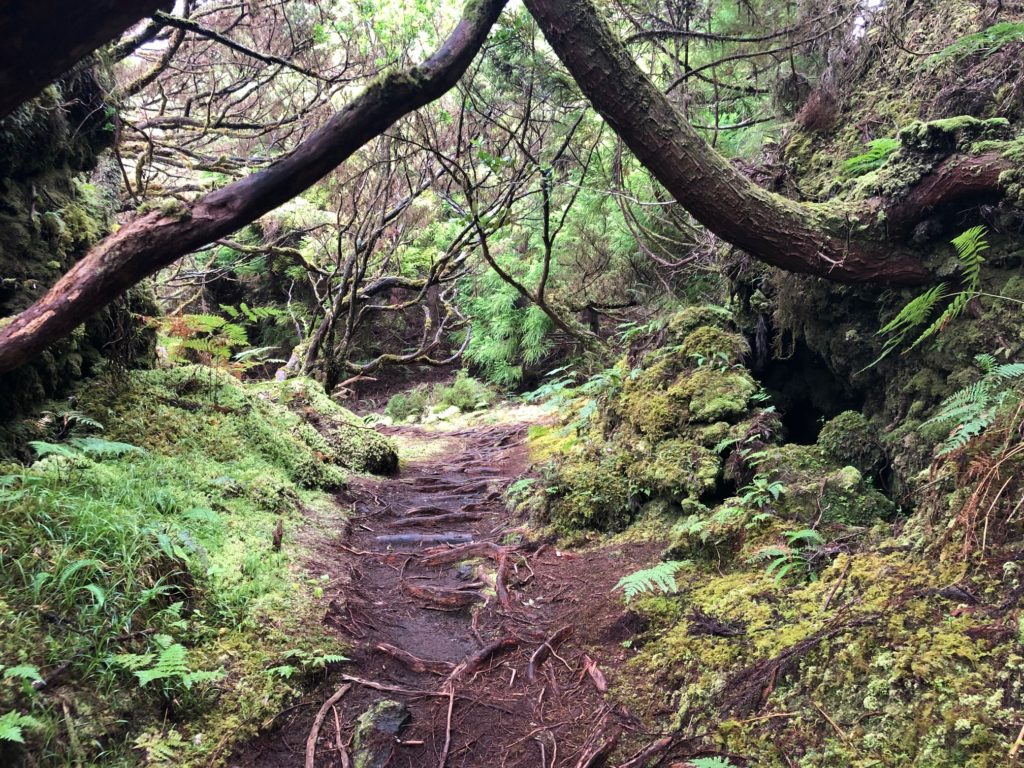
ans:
x=314 y=732
x=473 y=662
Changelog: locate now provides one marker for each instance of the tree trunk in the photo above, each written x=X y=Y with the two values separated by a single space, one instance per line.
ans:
x=43 y=39
x=155 y=240
x=774 y=229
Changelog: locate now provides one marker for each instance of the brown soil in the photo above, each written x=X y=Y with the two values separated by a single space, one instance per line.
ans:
x=430 y=625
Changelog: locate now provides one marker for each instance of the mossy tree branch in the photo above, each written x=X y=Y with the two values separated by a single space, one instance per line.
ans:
x=155 y=240
x=815 y=240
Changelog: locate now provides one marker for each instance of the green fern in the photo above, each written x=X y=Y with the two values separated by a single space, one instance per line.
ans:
x=985 y=42
x=23 y=672
x=77 y=447
x=878 y=152
x=970 y=245
x=13 y=725
x=660 y=578
x=971 y=410
x=171 y=666
x=159 y=748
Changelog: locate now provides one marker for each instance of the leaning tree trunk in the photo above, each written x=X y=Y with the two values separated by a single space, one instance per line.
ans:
x=155 y=240
x=771 y=228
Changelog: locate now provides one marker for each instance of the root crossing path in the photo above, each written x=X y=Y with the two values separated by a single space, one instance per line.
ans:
x=499 y=647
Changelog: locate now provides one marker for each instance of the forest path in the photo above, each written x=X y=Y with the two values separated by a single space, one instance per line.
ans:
x=497 y=645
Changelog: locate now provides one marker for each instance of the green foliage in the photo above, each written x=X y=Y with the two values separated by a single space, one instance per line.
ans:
x=92 y=447
x=986 y=42
x=405 y=404
x=465 y=393
x=970 y=245
x=170 y=666
x=659 y=578
x=13 y=725
x=506 y=339
x=761 y=492
x=102 y=566
x=794 y=558
x=712 y=762
x=878 y=152
x=973 y=409
x=160 y=748
x=216 y=340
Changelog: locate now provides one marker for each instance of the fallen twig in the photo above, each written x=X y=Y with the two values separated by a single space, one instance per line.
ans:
x=473 y=662
x=448 y=726
x=314 y=732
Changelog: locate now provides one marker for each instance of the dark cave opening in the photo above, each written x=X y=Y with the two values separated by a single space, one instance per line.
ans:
x=806 y=393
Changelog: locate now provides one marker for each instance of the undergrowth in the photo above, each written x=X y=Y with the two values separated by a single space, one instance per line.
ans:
x=464 y=392
x=145 y=611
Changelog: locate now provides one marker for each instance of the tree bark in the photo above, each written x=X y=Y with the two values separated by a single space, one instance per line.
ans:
x=772 y=228
x=43 y=39
x=155 y=240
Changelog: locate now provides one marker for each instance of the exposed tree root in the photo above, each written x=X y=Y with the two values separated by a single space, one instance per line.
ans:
x=444 y=597
x=597 y=750
x=424 y=538
x=644 y=756
x=473 y=662
x=414 y=663
x=448 y=517
x=545 y=650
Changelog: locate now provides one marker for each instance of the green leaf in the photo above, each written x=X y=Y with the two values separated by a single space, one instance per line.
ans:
x=23 y=672
x=12 y=725
x=660 y=578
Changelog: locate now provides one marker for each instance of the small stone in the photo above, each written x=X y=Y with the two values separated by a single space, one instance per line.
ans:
x=377 y=732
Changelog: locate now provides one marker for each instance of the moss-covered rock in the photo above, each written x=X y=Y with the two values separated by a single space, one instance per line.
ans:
x=348 y=442
x=593 y=492
x=677 y=468
x=849 y=438
x=56 y=200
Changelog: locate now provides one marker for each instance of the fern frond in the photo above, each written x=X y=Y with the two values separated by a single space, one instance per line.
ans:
x=660 y=578
x=170 y=664
x=12 y=725
x=95 y=446
x=878 y=152
x=1008 y=371
x=950 y=313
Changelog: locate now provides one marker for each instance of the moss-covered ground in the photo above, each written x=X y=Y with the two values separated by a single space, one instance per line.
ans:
x=159 y=601
x=817 y=617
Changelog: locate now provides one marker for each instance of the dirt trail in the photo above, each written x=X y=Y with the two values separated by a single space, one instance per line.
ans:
x=496 y=646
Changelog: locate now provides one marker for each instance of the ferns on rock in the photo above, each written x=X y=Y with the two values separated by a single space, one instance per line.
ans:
x=970 y=245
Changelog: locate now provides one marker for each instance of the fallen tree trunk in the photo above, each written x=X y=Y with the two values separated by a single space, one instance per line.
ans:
x=155 y=240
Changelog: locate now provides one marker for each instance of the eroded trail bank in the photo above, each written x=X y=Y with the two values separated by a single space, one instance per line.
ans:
x=493 y=648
